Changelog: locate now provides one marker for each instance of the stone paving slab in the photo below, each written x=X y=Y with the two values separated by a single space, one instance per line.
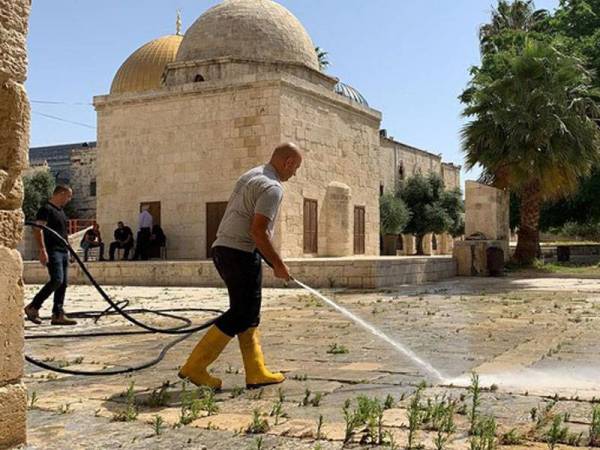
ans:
x=532 y=340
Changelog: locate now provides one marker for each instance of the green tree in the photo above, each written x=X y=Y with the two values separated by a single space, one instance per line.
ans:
x=519 y=16
x=38 y=189
x=323 y=57
x=393 y=217
x=533 y=129
x=432 y=209
x=576 y=25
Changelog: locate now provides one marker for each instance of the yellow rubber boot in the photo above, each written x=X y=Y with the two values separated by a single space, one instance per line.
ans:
x=204 y=354
x=257 y=374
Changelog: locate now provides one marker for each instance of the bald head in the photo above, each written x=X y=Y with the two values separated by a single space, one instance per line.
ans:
x=286 y=159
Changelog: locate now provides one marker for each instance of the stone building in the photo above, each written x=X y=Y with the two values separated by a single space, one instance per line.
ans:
x=83 y=181
x=72 y=164
x=186 y=115
x=14 y=142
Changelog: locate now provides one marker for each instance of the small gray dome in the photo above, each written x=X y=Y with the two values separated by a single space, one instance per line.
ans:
x=351 y=93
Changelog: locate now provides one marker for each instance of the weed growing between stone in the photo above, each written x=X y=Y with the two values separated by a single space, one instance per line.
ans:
x=159 y=397
x=484 y=434
x=595 y=428
x=258 y=424
x=475 y=390
x=157 y=425
x=131 y=411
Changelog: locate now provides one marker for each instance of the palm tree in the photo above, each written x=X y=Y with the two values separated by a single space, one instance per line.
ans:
x=535 y=128
x=323 y=58
x=520 y=15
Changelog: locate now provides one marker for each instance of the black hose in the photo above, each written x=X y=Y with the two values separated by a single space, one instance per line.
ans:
x=119 y=308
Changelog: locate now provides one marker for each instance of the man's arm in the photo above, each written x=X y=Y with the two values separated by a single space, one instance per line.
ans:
x=39 y=239
x=258 y=231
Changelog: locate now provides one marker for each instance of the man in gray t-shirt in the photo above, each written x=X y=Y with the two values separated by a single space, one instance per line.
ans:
x=243 y=238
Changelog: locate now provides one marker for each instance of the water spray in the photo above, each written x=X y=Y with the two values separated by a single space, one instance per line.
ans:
x=432 y=371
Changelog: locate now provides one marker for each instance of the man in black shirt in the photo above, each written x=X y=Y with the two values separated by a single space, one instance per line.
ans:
x=54 y=255
x=92 y=239
x=123 y=239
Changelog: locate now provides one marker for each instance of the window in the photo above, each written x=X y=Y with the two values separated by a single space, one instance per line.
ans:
x=310 y=227
x=198 y=79
x=381 y=189
x=401 y=171
x=434 y=244
x=93 y=188
x=359 y=230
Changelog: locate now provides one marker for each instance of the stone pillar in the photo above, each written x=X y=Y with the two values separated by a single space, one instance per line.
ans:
x=446 y=244
x=428 y=244
x=339 y=220
x=14 y=145
x=487 y=213
x=410 y=245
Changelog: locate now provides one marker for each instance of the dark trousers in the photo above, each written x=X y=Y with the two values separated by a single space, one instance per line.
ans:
x=115 y=245
x=242 y=273
x=142 y=244
x=58 y=266
x=86 y=249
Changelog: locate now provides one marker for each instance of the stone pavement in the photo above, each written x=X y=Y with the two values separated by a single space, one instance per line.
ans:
x=533 y=341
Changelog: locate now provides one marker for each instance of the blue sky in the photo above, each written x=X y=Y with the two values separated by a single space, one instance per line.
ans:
x=410 y=59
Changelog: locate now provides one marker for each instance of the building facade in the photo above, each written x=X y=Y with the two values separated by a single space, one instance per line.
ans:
x=188 y=114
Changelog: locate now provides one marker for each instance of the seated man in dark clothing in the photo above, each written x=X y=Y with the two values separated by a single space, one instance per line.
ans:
x=91 y=239
x=157 y=240
x=123 y=239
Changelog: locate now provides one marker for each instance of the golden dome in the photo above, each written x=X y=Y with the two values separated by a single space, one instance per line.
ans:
x=249 y=29
x=143 y=70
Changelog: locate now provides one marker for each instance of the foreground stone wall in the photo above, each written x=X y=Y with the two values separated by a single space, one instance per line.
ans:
x=14 y=144
x=351 y=272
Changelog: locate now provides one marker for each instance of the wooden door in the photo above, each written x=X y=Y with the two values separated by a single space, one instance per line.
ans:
x=154 y=210
x=311 y=227
x=359 y=230
x=214 y=214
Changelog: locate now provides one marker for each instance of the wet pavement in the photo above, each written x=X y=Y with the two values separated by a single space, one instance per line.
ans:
x=533 y=342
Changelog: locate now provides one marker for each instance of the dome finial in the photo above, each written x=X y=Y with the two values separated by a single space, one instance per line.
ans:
x=178 y=23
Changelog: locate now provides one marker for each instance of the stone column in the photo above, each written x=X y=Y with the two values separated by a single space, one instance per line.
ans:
x=409 y=246
x=14 y=145
x=340 y=240
x=427 y=244
x=446 y=244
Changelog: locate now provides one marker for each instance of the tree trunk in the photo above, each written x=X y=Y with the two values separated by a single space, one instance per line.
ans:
x=529 y=234
x=419 y=244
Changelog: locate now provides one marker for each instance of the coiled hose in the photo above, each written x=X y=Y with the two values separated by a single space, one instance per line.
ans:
x=183 y=331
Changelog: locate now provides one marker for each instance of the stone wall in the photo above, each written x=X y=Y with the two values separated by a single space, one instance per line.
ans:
x=195 y=140
x=358 y=273
x=14 y=145
x=83 y=177
x=340 y=142
x=399 y=161
x=192 y=145
x=486 y=211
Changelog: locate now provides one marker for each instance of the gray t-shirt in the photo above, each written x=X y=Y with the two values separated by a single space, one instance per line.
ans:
x=257 y=191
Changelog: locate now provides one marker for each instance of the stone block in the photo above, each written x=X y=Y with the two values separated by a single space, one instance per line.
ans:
x=11 y=228
x=11 y=189
x=471 y=256
x=14 y=17
x=13 y=410
x=14 y=128
x=11 y=315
